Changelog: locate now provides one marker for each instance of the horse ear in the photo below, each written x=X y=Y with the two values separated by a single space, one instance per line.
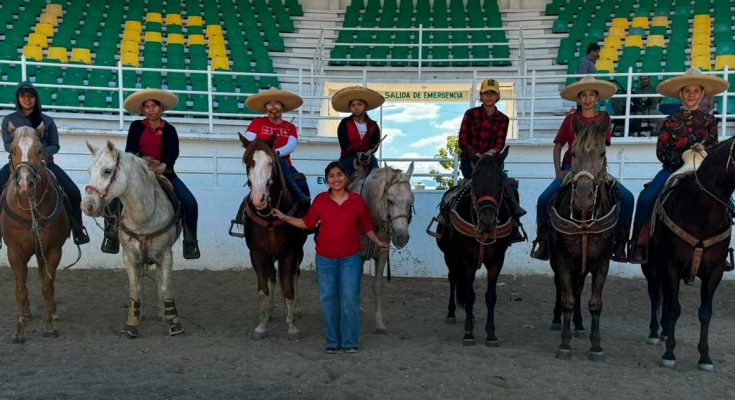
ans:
x=271 y=140
x=409 y=171
x=111 y=148
x=245 y=142
x=11 y=128
x=91 y=148
x=504 y=154
x=41 y=130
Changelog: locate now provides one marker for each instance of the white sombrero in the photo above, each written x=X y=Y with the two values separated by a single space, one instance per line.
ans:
x=289 y=100
x=712 y=84
x=604 y=89
x=342 y=98
x=133 y=104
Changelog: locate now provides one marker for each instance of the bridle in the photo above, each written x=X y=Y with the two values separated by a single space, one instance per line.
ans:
x=481 y=203
x=267 y=209
x=102 y=194
x=585 y=173
x=389 y=217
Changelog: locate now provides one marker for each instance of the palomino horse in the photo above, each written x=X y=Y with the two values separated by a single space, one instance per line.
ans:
x=690 y=239
x=270 y=239
x=583 y=217
x=387 y=193
x=475 y=229
x=149 y=226
x=34 y=222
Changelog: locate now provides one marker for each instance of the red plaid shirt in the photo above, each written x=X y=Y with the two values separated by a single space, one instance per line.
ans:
x=481 y=132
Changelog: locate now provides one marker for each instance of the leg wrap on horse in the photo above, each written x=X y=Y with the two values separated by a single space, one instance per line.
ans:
x=134 y=313
x=172 y=317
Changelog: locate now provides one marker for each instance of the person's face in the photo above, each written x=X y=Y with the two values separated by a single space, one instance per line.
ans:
x=645 y=81
x=357 y=107
x=27 y=101
x=336 y=179
x=594 y=55
x=489 y=98
x=587 y=99
x=152 y=110
x=691 y=95
x=274 y=109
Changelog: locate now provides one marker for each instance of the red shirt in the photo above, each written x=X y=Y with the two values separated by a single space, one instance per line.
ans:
x=567 y=132
x=264 y=128
x=480 y=132
x=151 y=140
x=340 y=225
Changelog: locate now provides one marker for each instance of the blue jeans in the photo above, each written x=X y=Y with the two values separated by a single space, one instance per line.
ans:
x=542 y=205
x=647 y=199
x=349 y=163
x=339 y=293
x=189 y=204
x=299 y=189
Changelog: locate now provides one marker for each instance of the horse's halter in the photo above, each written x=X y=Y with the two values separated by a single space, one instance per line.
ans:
x=390 y=218
x=35 y=173
x=102 y=194
x=481 y=203
x=585 y=173
x=267 y=193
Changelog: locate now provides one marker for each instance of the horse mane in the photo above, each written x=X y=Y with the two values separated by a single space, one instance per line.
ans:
x=247 y=159
x=137 y=163
x=591 y=136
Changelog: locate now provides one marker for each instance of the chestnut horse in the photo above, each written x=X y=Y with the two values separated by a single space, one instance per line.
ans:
x=270 y=239
x=34 y=221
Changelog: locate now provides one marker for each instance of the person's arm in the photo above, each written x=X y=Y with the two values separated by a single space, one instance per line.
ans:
x=343 y=137
x=251 y=133
x=375 y=138
x=501 y=133
x=297 y=222
x=7 y=138
x=557 y=161
x=170 y=143
x=132 y=145
x=287 y=148
x=372 y=236
x=51 y=136
x=464 y=133
x=664 y=145
x=711 y=139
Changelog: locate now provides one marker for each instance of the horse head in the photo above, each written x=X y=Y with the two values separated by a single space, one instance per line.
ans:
x=106 y=179
x=487 y=189
x=27 y=156
x=589 y=167
x=264 y=174
x=399 y=203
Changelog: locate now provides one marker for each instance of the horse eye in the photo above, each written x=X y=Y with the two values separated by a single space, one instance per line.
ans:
x=107 y=171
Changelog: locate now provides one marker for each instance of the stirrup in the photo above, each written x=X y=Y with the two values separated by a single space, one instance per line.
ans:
x=536 y=248
x=436 y=233
x=236 y=229
x=80 y=236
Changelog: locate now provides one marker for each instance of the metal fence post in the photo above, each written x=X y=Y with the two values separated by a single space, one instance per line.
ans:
x=301 y=109
x=533 y=104
x=726 y=72
x=627 y=101
x=455 y=170
x=23 y=70
x=421 y=47
x=209 y=97
x=120 y=87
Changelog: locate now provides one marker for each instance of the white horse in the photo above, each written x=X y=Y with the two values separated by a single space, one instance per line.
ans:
x=387 y=193
x=148 y=227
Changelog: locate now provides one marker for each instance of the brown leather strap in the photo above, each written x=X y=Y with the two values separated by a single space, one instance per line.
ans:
x=271 y=225
x=468 y=229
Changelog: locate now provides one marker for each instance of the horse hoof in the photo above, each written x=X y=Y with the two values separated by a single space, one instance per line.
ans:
x=670 y=364
x=175 y=329
x=653 y=340
x=706 y=367
x=258 y=335
x=492 y=343
x=580 y=333
x=597 y=356
x=129 y=331
x=380 y=331
x=563 y=354
x=294 y=336
x=555 y=326
x=51 y=333
x=450 y=321
x=18 y=339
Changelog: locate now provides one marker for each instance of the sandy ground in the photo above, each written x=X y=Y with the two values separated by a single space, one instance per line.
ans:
x=420 y=358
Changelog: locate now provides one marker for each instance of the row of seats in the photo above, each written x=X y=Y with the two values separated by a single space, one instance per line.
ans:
x=442 y=48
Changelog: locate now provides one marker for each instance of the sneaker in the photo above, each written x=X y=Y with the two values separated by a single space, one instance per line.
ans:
x=352 y=350
x=331 y=350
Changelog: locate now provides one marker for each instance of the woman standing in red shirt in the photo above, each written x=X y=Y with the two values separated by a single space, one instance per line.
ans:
x=341 y=215
x=357 y=133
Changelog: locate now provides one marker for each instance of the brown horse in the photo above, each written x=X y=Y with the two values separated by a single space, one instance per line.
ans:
x=270 y=239
x=583 y=215
x=33 y=222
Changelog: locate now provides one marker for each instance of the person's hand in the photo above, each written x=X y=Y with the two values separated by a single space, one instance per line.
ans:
x=148 y=159
x=277 y=213
x=383 y=245
x=698 y=147
x=160 y=169
x=560 y=174
x=491 y=152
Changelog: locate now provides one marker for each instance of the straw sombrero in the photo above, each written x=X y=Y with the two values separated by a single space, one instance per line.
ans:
x=289 y=100
x=135 y=101
x=342 y=98
x=604 y=89
x=712 y=84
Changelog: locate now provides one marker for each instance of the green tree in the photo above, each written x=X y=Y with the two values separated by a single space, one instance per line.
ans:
x=449 y=151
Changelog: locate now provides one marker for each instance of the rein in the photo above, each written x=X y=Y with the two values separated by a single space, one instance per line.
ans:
x=102 y=195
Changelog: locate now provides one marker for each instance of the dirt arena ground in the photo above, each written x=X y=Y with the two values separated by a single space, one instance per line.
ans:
x=420 y=358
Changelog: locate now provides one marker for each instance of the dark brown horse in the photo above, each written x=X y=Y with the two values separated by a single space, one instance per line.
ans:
x=270 y=239
x=474 y=230
x=34 y=221
x=583 y=216
x=691 y=237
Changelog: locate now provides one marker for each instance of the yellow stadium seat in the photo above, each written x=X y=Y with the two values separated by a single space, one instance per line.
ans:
x=133 y=26
x=700 y=50
x=153 y=37
x=54 y=9
x=720 y=62
x=217 y=51
x=609 y=53
x=46 y=29
x=702 y=19
x=34 y=53
x=214 y=30
x=660 y=21
x=640 y=22
x=175 y=38
x=48 y=18
x=620 y=23
x=130 y=59
x=617 y=32
x=655 y=41
x=634 y=41
x=81 y=55
x=196 y=39
x=58 y=54
x=702 y=62
x=128 y=46
x=173 y=19
x=220 y=63
x=605 y=65
x=38 y=40
x=701 y=38
x=216 y=41
x=613 y=42
x=131 y=36
x=153 y=17
x=194 y=20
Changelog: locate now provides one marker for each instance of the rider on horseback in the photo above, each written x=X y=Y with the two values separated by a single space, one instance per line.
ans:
x=29 y=113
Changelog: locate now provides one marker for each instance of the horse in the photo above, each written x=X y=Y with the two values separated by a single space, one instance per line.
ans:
x=474 y=229
x=268 y=238
x=34 y=221
x=690 y=238
x=148 y=226
x=583 y=216
x=387 y=193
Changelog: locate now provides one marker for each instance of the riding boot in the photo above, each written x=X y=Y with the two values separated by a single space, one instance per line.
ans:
x=621 y=242
x=516 y=236
x=110 y=240
x=513 y=200
x=80 y=235
x=728 y=261
x=191 y=246
x=639 y=245
x=540 y=248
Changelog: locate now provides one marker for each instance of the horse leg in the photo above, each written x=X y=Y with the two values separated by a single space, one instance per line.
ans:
x=265 y=272
x=710 y=282
x=20 y=268
x=556 y=321
x=579 y=331
x=287 y=270
x=564 y=352
x=452 y=275
x=132 y=326
x=47 y=276
x=165 y=293
x=380 y=262
x=654 y=294
x=595 y=306
x=671 y=297
x=491 y=297
x=469 y=302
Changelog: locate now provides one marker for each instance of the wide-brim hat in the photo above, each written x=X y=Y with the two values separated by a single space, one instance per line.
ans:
x=604 y=89
x=133 y=104
x=289 y=100
x=712 y=84
x=342 y=98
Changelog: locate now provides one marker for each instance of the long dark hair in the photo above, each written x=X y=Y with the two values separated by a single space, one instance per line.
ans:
x=332 y=165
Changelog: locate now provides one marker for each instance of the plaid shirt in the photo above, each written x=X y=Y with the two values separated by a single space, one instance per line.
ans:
x=481 y=132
